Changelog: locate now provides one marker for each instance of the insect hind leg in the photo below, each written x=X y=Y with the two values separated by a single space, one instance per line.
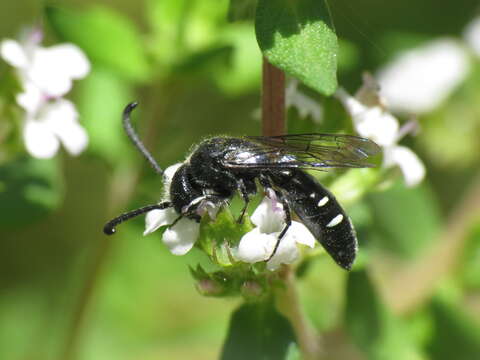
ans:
x=287 y=219
x=242 y=188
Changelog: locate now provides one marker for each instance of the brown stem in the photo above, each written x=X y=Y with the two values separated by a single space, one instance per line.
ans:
x=273 y=100
x=288 y=303
x=273 y=123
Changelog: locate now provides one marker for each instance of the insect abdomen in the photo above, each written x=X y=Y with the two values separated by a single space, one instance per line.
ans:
x=321 y=213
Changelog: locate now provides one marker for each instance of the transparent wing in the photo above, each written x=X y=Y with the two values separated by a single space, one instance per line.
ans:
x=312 y=151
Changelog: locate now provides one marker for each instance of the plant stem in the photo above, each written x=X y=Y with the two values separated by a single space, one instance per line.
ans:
x=273 y=100
x=288 y=303
x=273 y=123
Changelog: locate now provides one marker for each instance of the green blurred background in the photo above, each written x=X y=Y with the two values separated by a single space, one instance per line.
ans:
x=68 y=291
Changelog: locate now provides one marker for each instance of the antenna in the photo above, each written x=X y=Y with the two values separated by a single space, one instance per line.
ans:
x=109 y=228
x=127 y=125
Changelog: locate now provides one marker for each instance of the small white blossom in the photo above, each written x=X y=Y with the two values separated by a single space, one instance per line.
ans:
x=46 y=75
x=412 y=168
x=418 y=80
x=259 y=243
x=157 y=218
x=55 y=122
x=50 y=69
x=305 y=105
x=180 y=237
x=371 y=120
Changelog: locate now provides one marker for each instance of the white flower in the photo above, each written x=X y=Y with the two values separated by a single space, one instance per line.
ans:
x=305 y=105
x=259 y=243
x=372 y=121
x=50 y=69
x=55 y=122
x=46 y=75
x=180 y=237
x=420 y=79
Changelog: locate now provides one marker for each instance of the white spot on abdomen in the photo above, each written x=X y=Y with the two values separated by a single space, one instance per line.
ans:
x=312 y=195
x=335 y=221
x=323 y=201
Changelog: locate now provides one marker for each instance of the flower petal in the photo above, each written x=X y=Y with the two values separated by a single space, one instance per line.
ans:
x=305 y=105
x=269 y=215
x=31 y=98
x=72 y=59
x=39 y=139
x=182 y=236
x=61 y=116
x=255 y=246
x=53 y=69
x=167 y=179
x=286 y=253
x=13 y=53
x=300 y=234
x=411 y=166
x=209 y=207
x=156 y=218
x=353 y=106
x=372 y=122
x=420 y=79
x=378 y=125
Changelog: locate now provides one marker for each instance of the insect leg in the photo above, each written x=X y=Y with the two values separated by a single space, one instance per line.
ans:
x=190 y=210
x=244 y=193
x=175 y=221
x=288 y=221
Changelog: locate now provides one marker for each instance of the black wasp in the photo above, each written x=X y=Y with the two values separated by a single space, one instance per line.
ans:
x=221 y=166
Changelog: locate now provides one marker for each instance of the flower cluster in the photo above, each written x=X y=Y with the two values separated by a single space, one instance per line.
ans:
x=259 y=243
x=256 y=245
x=46 y=75
x=372 y=120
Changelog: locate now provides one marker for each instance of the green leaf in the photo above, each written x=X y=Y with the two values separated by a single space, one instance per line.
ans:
x=29 y=189
x=258 y=332
x=298 y=37
x=102 y=98
x=243 y=72
x=407 y=219
x=241 y=10
x=456 y=336
x=372 y=326
x=108 y=38
x=181 y=27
